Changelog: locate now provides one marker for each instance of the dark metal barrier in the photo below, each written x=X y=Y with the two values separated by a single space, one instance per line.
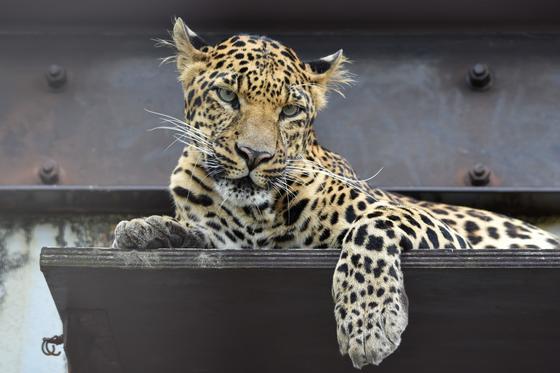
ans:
x=271 y=311
x=156 y=200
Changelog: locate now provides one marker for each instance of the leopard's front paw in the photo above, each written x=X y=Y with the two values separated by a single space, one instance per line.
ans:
x=155 y=232
x=371 y=314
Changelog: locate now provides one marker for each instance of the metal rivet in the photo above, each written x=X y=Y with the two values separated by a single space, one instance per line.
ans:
x=56 y=76
x=479 y=175
x=49 y=172
x=479 y=77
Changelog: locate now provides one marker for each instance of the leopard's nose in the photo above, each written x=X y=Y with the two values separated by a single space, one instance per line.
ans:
x=252 y=156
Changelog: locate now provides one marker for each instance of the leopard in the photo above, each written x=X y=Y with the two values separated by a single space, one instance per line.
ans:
x=252 y=175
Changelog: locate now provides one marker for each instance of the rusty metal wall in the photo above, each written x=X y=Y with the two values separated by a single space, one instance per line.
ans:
x=411 y=112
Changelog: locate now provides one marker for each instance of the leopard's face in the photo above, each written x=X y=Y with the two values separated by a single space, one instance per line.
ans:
x=249 y=107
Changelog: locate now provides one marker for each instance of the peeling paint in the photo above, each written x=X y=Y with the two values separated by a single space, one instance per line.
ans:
x=27 y=311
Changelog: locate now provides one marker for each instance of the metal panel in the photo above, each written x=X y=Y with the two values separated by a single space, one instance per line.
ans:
x=411 y=111
x=256 y=311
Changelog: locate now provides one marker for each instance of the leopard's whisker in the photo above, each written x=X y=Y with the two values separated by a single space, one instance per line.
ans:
x=353 y=183
x=184 y=130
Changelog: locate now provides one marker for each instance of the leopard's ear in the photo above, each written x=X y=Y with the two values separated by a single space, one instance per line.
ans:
x=191 y=48
x=328 y=73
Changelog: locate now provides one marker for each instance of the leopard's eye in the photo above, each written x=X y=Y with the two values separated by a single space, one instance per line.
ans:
x=290 y=110
x=227 y=95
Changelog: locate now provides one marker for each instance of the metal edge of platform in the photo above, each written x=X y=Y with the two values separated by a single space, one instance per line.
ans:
x=284 y=259
x=156 y=199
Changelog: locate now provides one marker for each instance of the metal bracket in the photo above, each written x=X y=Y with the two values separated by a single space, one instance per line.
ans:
x=48 y=347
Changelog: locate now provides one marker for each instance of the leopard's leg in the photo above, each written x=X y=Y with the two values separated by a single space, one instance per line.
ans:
x=371 y=307
x=155 y=232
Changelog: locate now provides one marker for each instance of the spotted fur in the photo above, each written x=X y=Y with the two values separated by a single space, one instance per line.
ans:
x=253 y=176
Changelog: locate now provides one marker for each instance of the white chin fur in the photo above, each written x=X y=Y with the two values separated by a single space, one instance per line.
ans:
x=242 y=196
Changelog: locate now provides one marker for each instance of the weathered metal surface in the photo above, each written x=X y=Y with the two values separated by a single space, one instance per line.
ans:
x=411 y=111
x=227 y=317
x=90 y=333
x=27 y=311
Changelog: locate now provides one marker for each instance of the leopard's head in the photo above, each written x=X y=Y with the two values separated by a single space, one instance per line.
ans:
x=250 y=103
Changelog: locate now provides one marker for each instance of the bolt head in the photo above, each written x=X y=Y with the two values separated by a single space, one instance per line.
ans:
x=49 y=172
x=48 y=166
x=479 y=169
x=479 y=175
x=55 y=70
x=479 y=77
x=56 y=76
x=480 y=69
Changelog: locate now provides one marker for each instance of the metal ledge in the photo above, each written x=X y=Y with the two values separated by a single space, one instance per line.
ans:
x=156 y=199
x=271 y=311
x=284 y=259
